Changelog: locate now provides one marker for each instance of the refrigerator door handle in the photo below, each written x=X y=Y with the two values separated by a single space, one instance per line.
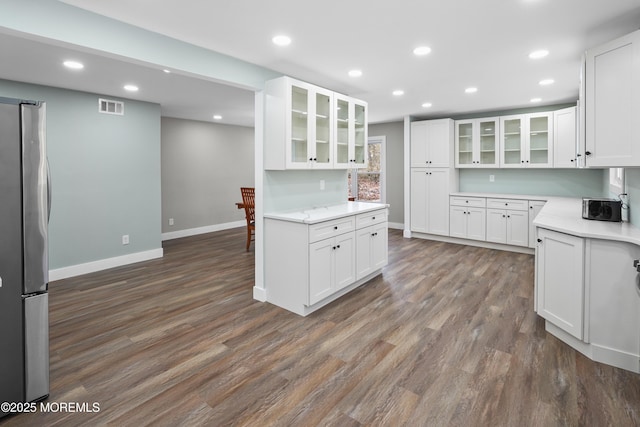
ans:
x=48 y=191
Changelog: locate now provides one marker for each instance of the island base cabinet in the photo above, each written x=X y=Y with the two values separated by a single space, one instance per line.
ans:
x=372 y=249
x=614 y=303
x=331 y=266
x=559 y=280
x=307 y=266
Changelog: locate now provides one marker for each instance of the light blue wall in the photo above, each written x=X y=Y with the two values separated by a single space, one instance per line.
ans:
x=105 y=173
x=293 y=190
x=537 y=182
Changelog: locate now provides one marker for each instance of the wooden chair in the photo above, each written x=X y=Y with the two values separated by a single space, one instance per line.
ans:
x=249 y=202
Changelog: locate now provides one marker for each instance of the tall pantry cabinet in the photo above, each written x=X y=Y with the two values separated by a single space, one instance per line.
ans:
x=432 y=175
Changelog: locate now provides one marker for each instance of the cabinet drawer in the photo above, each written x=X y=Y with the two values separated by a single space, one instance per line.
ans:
x=512 y=204
x=324 y=230
x=475 y=202
x=370 y=218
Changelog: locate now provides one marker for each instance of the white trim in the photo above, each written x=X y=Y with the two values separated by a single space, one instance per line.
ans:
x=259 y=290
x=202 y=230
x=476 y=243
x=396 y=225
x=407 y=177
x=103 y=264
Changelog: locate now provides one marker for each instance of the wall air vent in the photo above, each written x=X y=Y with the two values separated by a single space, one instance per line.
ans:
x=109 y=106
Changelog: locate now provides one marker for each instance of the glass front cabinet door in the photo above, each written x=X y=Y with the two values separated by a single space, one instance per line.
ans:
x=308 y=127
x=477 y=143
x=527 y=140
x=350 y=132
x=540 y=137
x=309 y=145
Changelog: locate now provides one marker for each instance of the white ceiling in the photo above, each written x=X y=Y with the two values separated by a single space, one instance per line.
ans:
x=474 y=43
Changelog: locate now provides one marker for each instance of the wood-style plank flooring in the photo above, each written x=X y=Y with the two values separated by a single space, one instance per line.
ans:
x=446 y=336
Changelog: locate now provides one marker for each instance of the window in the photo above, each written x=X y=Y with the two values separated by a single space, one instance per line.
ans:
x=368 y=184
x=616 y=180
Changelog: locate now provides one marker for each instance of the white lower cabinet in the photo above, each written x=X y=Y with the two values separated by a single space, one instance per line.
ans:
x=588 y=291
x=508 y=222
x=534 y=208
x=614 y=302
x=309 y=265
x=372 y=245
x=332 y=266
x=467 y=217
x=559 y=280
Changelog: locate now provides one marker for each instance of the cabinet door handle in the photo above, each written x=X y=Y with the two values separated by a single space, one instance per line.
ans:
x=335 y=227
x=572 y=160
x=508 y=216
x=539 y=240
x=504 y=216
x=373 y=218
x=334 y=248
x=587 y=153
x=636 y=262
x=338 y=246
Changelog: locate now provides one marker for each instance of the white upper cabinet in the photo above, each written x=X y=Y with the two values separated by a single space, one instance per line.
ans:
x=305 y=127
x=477 y=143
x=565 y=138
x=612 y=92
x=431 y=143
x=526 y=140
x=351 y=132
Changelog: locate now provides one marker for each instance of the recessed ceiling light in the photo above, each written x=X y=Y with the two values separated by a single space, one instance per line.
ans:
x=217 y=117
x=167 y=71
x=131 y=88
x=536 y=99
x=398 y=92
x=422 y=50
x=74 y=65
x=355 y=73
x=427 y=105
x=546 y=82
x=281 y=40
x=471 y=90
x=538 y=54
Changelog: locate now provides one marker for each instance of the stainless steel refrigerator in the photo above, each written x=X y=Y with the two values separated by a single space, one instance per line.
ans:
x=24 y=268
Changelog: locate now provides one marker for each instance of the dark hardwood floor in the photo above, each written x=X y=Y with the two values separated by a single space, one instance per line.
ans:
x=446 y=336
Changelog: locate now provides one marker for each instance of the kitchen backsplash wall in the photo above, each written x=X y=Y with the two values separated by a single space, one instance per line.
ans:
x=295 y=190
x=537 y=182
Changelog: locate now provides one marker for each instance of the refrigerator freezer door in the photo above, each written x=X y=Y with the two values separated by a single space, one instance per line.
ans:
x=34 y=198
x=36 y=346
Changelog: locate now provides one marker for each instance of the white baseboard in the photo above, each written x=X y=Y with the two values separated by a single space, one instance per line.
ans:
x=202 y=230
x=103 y=264
x=396 y=225
x=259 y=294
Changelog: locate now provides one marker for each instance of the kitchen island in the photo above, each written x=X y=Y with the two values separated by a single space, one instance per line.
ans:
x=314 y=256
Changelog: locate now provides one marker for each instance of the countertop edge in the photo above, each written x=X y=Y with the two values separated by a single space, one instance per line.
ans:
x=316 y=215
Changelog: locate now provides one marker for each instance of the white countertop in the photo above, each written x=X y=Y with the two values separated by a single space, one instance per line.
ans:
x=565 y=215
x=326 y=213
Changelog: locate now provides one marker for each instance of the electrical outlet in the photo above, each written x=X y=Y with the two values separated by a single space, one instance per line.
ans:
x=125 y=239
x=170 y=221
x=492 y=178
